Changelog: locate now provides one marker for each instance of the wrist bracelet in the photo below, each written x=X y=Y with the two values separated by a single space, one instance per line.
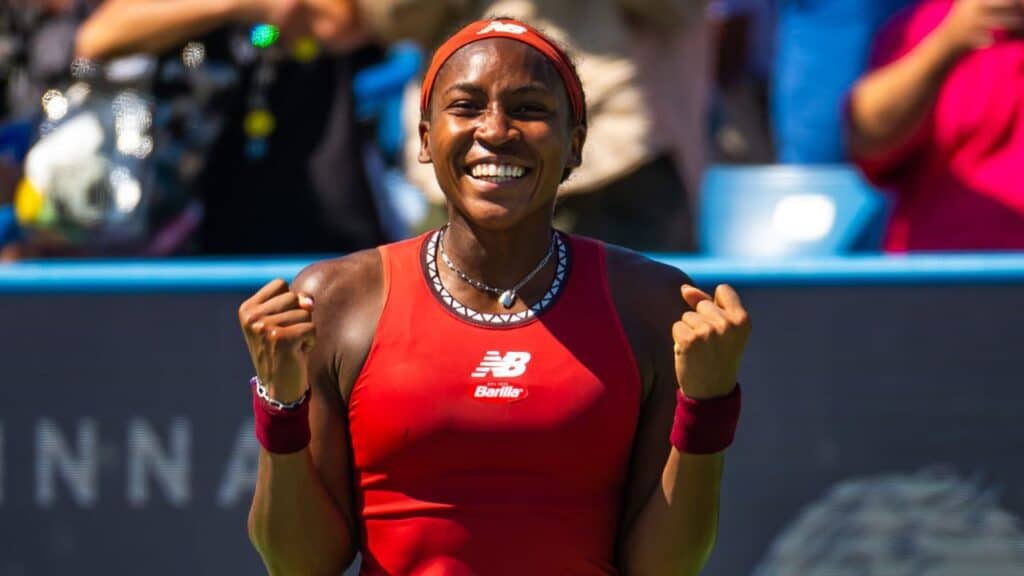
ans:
x=281 y=428
x=262 y=392
x=705 y=426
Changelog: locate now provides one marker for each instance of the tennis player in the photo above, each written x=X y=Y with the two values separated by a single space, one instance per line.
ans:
x=493 y=397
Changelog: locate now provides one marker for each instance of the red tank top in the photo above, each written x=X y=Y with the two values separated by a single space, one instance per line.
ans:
x=493 y=444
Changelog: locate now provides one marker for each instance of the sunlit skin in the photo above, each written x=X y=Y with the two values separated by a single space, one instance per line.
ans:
x=499 y=101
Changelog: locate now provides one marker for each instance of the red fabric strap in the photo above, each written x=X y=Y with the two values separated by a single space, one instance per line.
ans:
x=515 y=30
x=280 y=431
x=706 y=426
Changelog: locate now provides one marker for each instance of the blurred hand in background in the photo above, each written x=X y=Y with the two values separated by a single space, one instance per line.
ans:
x=121 y=27
x=973 y=24
x=334 y=23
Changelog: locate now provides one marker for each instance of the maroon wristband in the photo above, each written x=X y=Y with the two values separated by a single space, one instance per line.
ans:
x=705 y=426
x=280 y=431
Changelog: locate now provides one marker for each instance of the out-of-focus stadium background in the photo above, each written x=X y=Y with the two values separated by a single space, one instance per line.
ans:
x=880 y=433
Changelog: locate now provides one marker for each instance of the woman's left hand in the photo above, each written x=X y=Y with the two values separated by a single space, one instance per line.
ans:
x=709 y=341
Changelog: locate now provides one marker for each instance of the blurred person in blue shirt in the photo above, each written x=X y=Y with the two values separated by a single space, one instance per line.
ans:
x=822 y=48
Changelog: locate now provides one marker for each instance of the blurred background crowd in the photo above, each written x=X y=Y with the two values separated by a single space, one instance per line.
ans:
x=729 y=127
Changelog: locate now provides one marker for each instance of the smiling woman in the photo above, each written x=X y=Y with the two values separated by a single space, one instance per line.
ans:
x=494 y=397
x=508 y=108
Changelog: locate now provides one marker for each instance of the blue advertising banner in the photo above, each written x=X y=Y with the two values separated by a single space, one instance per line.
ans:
x=881 y=430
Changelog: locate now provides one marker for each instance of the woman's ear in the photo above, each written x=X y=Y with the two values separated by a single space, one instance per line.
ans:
x=424 y=155
x=578 y=137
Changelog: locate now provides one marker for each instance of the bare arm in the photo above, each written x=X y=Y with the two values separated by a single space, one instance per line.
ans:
x=670 y=519
x=295 y=525
x=889 y=105
x=302 y=519
x=674 y=498
x=675 y=533
x=294 y=522
x=121 y=27
x=153 y=26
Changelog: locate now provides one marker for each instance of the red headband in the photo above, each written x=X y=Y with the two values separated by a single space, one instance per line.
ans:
x=515 y=30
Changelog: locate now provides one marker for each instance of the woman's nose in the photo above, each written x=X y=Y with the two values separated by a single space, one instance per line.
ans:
x=495 y=127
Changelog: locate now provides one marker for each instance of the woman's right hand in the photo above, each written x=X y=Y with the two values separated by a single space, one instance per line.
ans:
x=973 y=24
x=279 y=331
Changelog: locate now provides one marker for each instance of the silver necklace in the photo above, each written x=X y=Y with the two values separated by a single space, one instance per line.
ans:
x=506 y=297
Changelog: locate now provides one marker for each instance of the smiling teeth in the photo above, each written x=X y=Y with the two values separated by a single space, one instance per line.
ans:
x=500 y=171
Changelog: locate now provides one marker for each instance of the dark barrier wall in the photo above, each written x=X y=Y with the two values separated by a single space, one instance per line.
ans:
x=881 y=428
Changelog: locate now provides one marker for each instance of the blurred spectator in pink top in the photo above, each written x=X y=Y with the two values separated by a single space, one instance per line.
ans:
x=939 y=122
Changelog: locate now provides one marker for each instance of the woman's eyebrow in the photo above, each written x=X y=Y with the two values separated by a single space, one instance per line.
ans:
x=531 y=87
x=467 y=87
x=471 y=88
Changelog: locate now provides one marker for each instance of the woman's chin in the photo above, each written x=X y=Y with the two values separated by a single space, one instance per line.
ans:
x=492 y=215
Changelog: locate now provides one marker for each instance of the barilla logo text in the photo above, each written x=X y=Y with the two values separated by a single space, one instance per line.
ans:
x=496 y=365
x=504 y=27
x=500 y=392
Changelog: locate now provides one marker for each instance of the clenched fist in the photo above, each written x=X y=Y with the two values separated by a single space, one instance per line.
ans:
x=709 y=341
x=279 y=331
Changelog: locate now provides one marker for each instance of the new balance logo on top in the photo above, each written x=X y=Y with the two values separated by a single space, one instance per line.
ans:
x=509 y=366
x=507 y=28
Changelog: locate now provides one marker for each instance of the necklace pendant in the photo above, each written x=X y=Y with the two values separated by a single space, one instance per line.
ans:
x=507 y=298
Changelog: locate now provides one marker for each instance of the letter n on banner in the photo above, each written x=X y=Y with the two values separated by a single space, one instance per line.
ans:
x=170 y=468
x=79 y=469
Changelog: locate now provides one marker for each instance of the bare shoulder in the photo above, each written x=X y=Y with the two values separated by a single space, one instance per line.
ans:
x=645 y=288
x=348 y=298
x=345 y=280
x=647 y=296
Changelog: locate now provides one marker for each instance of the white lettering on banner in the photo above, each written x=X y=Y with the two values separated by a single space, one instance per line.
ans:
x=240 y=475
x=144 y=454
x=72 y=457
x=53 y=456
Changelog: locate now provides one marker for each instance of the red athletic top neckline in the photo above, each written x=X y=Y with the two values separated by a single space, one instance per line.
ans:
x=429 y=266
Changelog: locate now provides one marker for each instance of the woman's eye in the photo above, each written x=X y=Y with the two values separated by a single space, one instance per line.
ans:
x=531 y=109
x=462 y=106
